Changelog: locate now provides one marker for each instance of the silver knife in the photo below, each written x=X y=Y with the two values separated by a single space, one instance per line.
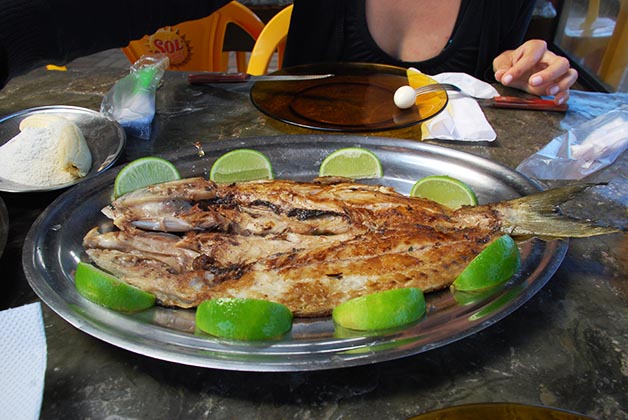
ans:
x=221 y=77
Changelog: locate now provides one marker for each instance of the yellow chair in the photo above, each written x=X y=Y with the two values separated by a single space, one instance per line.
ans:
x=197 y=45
x=271 y=40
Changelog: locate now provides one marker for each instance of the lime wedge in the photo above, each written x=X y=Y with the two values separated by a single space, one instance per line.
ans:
x=498 y=262
x=352 y=162
x=445 y=190
x=243 y=318
x=143 y=172
x=381 y=310
x=106 y=290
x=241 y=165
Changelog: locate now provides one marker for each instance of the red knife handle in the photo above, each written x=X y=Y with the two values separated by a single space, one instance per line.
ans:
x=514 y=102
x=217 y=77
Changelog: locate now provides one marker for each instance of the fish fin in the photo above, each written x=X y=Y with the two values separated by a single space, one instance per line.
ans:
x=538 y=215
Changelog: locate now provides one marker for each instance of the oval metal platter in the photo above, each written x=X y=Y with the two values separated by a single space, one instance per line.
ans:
x=53 y=248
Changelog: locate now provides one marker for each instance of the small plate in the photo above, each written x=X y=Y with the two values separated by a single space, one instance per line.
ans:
x=105 y=138
x=500 y=411
x=358 y=98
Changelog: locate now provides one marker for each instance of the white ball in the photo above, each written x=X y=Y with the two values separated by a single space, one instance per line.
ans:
x=405 y=97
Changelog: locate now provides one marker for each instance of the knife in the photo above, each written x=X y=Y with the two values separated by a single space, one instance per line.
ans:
x=514 y=102
x=509 y=102
x=221 y=77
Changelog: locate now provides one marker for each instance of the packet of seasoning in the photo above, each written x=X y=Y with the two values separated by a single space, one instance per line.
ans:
x=582 y=150
x=131 y=101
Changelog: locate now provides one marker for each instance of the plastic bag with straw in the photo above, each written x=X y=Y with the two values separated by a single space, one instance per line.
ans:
x=131 y=101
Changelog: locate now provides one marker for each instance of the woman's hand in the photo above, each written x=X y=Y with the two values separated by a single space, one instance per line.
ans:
x=535 y=69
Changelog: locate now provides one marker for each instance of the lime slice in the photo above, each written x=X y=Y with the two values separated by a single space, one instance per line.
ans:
x=381 y=310
x=143 y=172
x=243 y=318
x=106 y=290
x=445 y=190
x=241 y=165
x=352 y=162
x=498 y=262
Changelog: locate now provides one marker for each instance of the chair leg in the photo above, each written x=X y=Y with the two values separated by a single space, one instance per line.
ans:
x=224 y=61
x=241 y=61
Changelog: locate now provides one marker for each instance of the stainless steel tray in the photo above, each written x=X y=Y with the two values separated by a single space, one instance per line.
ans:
x=53 y=249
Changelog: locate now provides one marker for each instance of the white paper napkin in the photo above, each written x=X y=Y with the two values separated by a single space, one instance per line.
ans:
x=22 y=362
x=462 y=118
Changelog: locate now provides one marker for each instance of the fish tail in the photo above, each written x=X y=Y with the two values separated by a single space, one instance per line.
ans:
x=538 y=215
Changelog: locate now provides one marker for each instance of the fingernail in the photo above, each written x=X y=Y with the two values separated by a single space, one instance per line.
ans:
x=554 y=90
x=536 y=80
x=560 y=100
x=506 y=79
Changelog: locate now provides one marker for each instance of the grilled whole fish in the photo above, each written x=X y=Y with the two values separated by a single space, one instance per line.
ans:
x=310 y=245
x=266 y=207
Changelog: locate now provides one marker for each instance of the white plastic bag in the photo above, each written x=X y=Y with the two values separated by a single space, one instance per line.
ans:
x=131 y=101
x=582 y=150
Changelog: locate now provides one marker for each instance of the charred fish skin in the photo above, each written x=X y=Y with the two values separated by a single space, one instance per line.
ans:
x=199 y=204
x=269 y=207
x=311 y=282
x=234 y=249
x=309 y=246
x=182 y=290
x=156 y=207
x=156 y=245
x=314 y=282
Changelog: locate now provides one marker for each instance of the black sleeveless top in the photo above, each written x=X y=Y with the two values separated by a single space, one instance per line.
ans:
x=336 y=30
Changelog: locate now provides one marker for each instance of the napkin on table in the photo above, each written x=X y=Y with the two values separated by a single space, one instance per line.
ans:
x=22 y=362
x=462 y=118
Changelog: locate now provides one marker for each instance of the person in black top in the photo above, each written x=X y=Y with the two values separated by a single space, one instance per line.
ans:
x=479 y=37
